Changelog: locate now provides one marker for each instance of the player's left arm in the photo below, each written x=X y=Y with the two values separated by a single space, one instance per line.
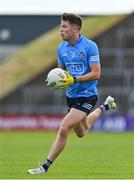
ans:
x=93 y=75
x=94 y=64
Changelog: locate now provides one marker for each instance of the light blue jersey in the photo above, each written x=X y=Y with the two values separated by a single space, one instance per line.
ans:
x=76 y=60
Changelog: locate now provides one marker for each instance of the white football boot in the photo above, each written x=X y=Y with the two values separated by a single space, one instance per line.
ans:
x=110 y=102
x=39 y=170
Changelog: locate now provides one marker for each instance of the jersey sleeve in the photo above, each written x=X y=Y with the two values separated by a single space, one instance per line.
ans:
x=93 y=54
x=60 y=60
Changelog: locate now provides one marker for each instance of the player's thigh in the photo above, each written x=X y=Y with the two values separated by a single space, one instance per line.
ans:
x=73 y=117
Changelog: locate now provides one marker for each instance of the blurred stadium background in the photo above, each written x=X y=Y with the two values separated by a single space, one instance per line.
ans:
x=28 y=45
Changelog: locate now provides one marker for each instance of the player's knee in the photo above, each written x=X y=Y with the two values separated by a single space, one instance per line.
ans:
x=63 y=131
x=80 y=135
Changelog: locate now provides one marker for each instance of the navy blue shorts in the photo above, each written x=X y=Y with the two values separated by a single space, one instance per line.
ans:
x=85 y=104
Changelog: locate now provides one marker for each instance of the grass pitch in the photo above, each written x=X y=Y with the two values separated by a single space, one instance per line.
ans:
x=96 y=156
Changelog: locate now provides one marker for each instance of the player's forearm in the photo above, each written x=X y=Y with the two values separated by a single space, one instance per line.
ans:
x=89 y=77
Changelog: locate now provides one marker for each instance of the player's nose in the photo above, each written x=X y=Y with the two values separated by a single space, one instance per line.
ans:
x=61 y=30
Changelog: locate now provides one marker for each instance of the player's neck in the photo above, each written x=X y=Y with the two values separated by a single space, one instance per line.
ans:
x=73 y=40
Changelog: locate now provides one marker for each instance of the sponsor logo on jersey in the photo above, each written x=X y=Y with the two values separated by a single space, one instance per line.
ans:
x=75 y=68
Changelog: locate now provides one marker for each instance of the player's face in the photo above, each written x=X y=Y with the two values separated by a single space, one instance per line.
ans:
x=67 y=30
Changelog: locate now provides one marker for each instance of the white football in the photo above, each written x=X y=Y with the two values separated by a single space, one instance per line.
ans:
x=54 y=77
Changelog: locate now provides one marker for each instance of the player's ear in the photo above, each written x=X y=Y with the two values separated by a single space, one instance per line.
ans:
x=76 y=28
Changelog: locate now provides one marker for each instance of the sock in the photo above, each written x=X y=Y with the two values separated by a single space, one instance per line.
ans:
x=47 y=164
x=104 y=107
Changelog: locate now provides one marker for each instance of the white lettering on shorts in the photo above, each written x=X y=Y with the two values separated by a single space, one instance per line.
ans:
x=87 y=106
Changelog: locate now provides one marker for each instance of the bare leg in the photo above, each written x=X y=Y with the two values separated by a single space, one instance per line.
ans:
x=70 y=121
x=82 y=127
x=58 y=144
x=92 y=117
x=75 y=119
x=81 y=123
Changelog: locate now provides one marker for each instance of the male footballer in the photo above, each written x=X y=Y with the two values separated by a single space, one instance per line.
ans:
x=79 y=57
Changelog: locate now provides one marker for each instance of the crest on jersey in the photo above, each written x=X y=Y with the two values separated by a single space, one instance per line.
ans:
x=81 y=55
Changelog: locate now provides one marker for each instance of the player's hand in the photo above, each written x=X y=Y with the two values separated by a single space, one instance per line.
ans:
x=67 y=81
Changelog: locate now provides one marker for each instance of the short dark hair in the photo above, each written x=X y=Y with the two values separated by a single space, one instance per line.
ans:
x=73 y=19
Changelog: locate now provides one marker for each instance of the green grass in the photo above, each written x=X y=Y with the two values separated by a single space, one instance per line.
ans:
x=96 y=156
